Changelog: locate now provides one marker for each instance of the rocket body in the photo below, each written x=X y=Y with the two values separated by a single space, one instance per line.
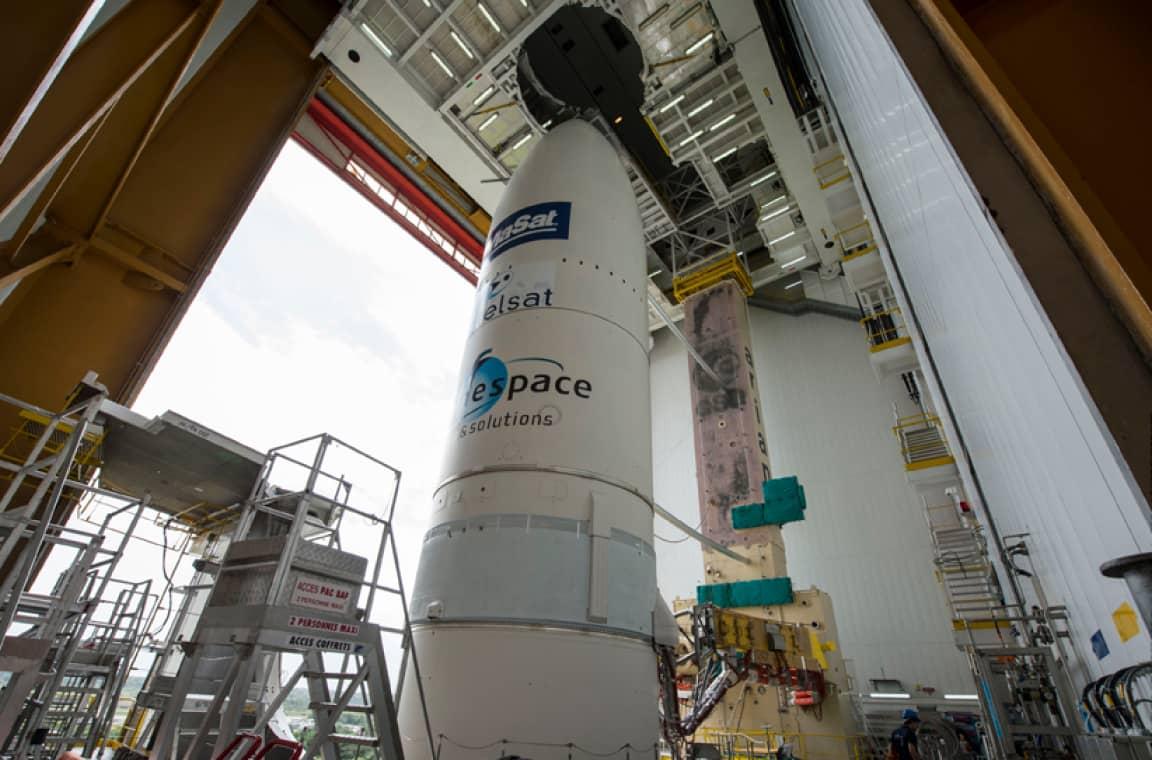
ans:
x=533 y=605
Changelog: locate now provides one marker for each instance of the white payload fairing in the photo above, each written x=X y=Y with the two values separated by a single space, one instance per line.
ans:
x=533 y=606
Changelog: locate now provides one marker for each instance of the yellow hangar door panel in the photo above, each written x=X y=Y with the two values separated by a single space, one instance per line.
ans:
x=123 y=179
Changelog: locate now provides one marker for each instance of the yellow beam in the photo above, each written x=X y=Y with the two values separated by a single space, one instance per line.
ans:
x=35 y=40
x=91 y=82
x=64 y=254
x=727 y=268
x=136 y=264
x=437 y=180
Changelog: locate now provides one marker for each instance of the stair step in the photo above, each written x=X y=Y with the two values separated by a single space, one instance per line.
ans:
x=359 y=741
x=366 y=709
x=327 y=674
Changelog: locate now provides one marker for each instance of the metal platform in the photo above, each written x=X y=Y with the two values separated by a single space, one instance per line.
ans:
x=191 y=471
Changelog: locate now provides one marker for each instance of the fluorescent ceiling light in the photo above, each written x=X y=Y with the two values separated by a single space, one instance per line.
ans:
x=776 y=213
x=702 y=106
x=725 y=154
x=488 y=122
x=889 y=695
x=546 y=124
x=524 y=3
x=765 y=178
x=489 y=17
x=671 y=103
x=483 y=96
x=653 y=274
x=456 y=38
x=971 y=697
x=375 y=40
x=774 y=201
x=683 y=17
x=653 y=15
x=722 y=122
x=436 y=57
x=698 y=44
x=521 y=141
x=690 y=138
x=787 y=264
x=796 y=284
x=427 y=3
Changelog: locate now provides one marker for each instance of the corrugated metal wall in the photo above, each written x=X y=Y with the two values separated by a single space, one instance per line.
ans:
x=865 y=539
x=1046 y=463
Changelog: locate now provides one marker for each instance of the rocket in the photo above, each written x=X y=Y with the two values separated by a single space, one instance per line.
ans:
x=533 y=606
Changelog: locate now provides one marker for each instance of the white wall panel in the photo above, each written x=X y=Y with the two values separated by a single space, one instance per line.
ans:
x=865 y=540
x=1046 y=462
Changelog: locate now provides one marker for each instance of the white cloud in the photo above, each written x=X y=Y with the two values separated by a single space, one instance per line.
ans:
x=322 y=315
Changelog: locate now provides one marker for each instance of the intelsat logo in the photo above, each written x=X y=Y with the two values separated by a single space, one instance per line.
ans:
x=491 y=382
x=506 y=291
x=541 y=221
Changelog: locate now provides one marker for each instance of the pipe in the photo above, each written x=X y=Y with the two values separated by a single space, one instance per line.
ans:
x=1136 y=571
x=806 y=305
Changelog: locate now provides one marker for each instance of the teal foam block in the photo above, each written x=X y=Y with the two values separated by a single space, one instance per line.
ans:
x=784 y=502
x=755 y=593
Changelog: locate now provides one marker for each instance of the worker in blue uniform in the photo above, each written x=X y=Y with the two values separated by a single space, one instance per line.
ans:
x=904 y=744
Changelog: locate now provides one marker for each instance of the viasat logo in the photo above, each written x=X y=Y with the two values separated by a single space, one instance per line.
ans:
x=540 y=221
x=491 y=382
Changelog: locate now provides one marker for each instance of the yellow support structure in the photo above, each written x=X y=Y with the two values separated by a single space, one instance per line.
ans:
x=727 y=268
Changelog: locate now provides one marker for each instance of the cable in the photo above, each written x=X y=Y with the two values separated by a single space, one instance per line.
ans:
x=168 y=579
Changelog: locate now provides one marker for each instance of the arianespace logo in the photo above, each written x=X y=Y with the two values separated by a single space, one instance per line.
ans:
x=532 y=379
x=541 y=221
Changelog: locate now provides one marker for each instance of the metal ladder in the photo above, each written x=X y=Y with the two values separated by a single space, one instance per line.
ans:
x=964 y=568
x=257 y=614
x=78 y=625
x=1009 y=648
x=84 y=702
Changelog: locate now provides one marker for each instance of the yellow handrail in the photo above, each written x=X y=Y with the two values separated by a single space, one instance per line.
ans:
x=887 y=312
x=846 y=230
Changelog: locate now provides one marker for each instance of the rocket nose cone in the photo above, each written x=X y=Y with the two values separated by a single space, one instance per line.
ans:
x=575 y=164
x=578 y=150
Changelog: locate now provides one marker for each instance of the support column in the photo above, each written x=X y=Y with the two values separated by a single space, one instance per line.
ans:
x=787 y=675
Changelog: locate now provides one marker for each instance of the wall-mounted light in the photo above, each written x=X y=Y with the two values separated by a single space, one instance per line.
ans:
x=774 y=214
x=487 y=14
x=690 y=138
x=459 y=42
x=440 y=61
x=889 y=695
x=722 y=122
x=698 y=44
x=375 y=40
x=654 y=15
x=483 y=96
x=702 y=106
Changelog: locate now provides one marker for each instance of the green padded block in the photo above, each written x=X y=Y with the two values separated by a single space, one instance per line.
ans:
x=755 y=593
x=784 y=502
